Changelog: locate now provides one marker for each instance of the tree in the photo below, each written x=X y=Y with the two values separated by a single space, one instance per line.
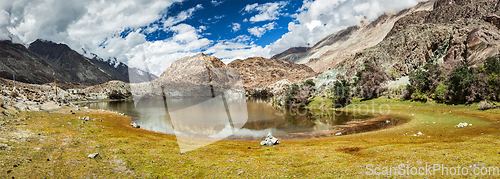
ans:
x=341 y=93
x=370 y=81
x=460 y=83
x=116 y=95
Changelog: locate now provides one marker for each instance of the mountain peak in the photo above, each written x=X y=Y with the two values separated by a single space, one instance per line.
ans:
x=197 y=61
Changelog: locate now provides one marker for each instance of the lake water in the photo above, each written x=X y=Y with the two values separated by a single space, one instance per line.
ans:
x=250 y=117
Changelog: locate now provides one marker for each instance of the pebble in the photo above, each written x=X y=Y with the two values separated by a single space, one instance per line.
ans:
x=135 y=125
x=94 y=155
x=463 y=124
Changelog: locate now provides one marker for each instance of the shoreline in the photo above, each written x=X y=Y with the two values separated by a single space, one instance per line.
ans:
x=57 y=145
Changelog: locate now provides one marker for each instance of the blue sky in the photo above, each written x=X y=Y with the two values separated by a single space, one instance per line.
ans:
x=219 y=18
x=155 y=33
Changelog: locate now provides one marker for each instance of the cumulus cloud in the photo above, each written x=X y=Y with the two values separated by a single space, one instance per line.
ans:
x=240 y=47
x=80 y=24
x=216 y=3
x=259 y=31
x=158 y=55
x=266 y=12
x=236 y=27
x=318 y=19
x=96 y=26
x=183 y=15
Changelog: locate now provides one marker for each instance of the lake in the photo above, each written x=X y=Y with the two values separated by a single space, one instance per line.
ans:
x=197 y=117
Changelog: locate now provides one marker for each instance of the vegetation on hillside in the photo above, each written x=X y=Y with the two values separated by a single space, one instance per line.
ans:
x=463 y=84
x=297 y=94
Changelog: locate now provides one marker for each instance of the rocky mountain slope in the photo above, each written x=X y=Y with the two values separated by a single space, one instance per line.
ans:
x=260 y=72
x=79 y=68
x=290 y=51
x=194 y=76
x=452 y=33
x=344 y=44
x=130 y=74
x=27 y=66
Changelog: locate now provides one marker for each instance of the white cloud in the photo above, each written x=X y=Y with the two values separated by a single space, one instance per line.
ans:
x=80 y=24
x=216 y=3
x=317 y=19
x=240 y=47
x=267 y=11
x=235 y=26
x=88 y=24
x=259 y=31
x=159 y=55
x=181 y=16
x=219 y=17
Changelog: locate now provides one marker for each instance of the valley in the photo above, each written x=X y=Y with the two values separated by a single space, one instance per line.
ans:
x=414 y=88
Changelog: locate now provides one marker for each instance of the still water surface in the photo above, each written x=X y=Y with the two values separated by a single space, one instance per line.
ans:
x=261 y=117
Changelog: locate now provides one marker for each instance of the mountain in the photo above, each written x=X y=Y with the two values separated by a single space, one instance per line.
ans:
x=344 y=44
x=112 y=64
x=451 y=33
x=258 y=72
x=193 y=76
x=293 y=50
x=81 y=69
x=27 y=66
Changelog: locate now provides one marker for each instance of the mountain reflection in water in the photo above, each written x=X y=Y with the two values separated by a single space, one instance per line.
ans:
x=262 y=117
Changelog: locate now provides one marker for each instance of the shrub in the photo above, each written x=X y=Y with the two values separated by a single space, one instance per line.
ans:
x=419 y=80
x=440 y=92
x=303 y=95
x=359 y=74
x=484 y=105
x=492 y=65
x=309 y=83
x=436 y=75
x=492 y=72
x=406 y=94
x=460 y=83
x=296 y=94
x=463 y=85
x=260 y=92
x=341 y=93
x=370 y=81
x=419 y=96
x=116 y=95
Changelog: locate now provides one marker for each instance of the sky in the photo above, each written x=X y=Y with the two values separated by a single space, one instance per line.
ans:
x=154 y=33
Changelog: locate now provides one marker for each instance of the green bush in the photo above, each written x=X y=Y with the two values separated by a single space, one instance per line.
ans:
x=492 y=65
x=341 y=93
x=492 y=70
x=296 y=94
x=419 y=79
x=419 y=96
x=440 y=92
x=309 y=83
x=460 y=82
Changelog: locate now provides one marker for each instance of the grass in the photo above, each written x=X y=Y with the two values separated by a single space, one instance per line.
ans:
x=61 y=149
